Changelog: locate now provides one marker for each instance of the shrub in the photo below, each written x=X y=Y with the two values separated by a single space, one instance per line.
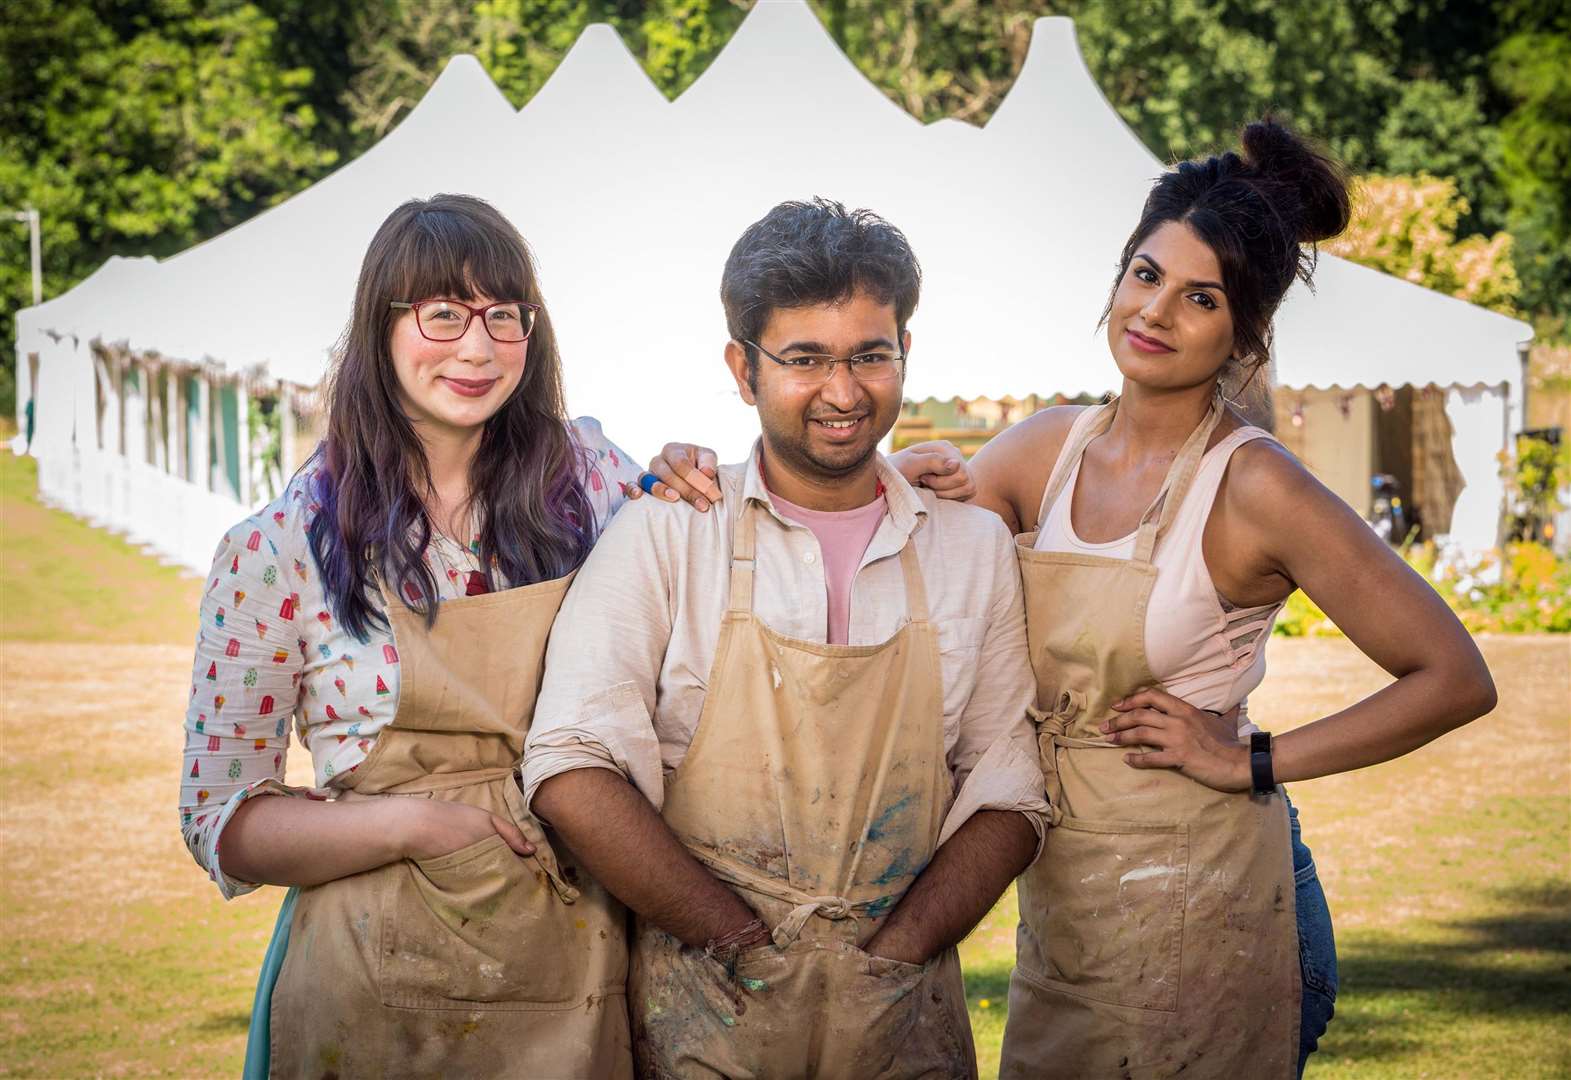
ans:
x=1525 y=591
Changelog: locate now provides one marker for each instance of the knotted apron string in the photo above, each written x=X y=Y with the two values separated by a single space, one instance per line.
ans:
x=1051 y=727
x=805 y=906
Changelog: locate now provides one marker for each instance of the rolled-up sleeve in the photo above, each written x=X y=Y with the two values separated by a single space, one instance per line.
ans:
x=994 y=760
x=602 y=667
x=244 y=688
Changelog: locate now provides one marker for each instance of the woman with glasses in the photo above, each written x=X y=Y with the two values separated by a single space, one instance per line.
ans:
x=1174 y=921
x=394 y=603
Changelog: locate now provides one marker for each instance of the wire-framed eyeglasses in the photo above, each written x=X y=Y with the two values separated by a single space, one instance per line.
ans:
x=509 y=322
x=875 y=365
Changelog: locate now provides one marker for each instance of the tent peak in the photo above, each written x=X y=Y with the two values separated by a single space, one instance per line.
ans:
x=599 y=74
x=464 y=84
x=1056 y=97
x=783 y=62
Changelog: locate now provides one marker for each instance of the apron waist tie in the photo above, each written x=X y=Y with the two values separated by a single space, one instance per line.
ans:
x=1052 y=728
x=804 y=907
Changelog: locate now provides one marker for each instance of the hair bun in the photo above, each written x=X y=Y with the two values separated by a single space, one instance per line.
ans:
x=1279 y=156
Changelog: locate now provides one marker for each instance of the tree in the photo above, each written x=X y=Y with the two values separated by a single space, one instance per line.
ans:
x=1535 y=162
x=1406 y=226
x=143 y=127
x=146 y=125
x=397 y=49
x=1440 y=129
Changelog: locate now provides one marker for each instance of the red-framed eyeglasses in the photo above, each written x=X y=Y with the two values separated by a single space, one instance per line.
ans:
x=509 y=322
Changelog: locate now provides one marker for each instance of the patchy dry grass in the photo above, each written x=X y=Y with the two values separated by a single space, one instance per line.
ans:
x=1449 y=872
x=117 y=957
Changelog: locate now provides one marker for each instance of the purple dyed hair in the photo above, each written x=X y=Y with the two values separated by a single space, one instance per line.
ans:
x=372 y=480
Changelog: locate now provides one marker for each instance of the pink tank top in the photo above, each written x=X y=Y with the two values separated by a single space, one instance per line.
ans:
x=1200 y=649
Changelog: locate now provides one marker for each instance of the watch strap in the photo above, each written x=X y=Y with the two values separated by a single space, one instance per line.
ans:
x=1261 y=775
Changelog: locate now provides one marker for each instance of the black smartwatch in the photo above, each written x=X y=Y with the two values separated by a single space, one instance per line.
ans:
x=1262 y=777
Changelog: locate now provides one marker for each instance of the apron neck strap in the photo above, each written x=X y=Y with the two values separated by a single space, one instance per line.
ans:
x=744 y=560
x=1175 y=486
x=916 y=588
x=1080 y=437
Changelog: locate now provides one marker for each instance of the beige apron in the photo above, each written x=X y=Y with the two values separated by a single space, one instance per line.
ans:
x=478 y=962
x=1157 y=931
x=816 y=786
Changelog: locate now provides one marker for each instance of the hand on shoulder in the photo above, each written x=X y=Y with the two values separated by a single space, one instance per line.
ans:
x=1011 y=471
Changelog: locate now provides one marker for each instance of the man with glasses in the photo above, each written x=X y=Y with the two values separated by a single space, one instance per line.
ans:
x=792 y=735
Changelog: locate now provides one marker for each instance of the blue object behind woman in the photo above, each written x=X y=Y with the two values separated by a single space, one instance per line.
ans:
x=1316 y=947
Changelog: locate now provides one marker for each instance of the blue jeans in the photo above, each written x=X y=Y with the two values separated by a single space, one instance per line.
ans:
x=1316 y=947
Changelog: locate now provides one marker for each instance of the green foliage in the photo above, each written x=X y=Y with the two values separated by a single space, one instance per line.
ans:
x=1534 y=480
x=1406 y=226
x=1438 y=129
x=141 y=127
x=952 y=59
x=1534 y=69
x=1302 y=617
x=1393 y=86
x=520 y=42
x=398 y=49
x=1525 y=590
x=676 y=39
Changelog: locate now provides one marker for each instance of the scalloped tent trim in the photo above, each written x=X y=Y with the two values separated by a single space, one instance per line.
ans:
x=632 y=203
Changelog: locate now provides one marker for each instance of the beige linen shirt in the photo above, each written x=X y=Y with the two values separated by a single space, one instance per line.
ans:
x=630 y=655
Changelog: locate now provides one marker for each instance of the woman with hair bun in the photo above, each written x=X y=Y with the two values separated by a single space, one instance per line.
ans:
x=1173 y=922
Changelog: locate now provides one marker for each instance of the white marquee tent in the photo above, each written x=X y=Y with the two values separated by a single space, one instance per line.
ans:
x=631 y=204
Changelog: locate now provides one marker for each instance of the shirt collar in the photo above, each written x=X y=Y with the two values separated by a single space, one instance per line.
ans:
x=906 y=509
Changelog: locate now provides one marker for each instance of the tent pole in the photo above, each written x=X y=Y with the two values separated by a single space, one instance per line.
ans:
x=155 y=409
x=202 y=453
x=286 y=431
x=174 y=422
x=117 y=359
x=243 y=441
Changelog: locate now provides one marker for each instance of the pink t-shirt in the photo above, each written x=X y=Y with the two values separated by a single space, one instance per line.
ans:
x=843 y=536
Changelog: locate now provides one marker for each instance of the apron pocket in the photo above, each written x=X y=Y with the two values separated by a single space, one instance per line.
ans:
x=1114 y=920
x=892 y=1015
x=477 y=928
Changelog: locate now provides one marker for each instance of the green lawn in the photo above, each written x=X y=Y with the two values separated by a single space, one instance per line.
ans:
x=62 y=578
x=1449 y=872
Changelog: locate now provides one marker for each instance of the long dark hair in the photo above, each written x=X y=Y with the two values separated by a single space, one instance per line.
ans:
x=1262 y=212
x=372 y=480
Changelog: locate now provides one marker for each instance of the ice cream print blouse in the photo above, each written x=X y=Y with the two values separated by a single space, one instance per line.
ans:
x=269 y=650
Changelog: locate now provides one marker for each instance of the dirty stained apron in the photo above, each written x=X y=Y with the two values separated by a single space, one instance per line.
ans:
x=816 y=787
x=1157 y=930
x=477 y=962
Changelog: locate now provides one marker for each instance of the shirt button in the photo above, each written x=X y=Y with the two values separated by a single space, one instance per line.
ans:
x=809 y=558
